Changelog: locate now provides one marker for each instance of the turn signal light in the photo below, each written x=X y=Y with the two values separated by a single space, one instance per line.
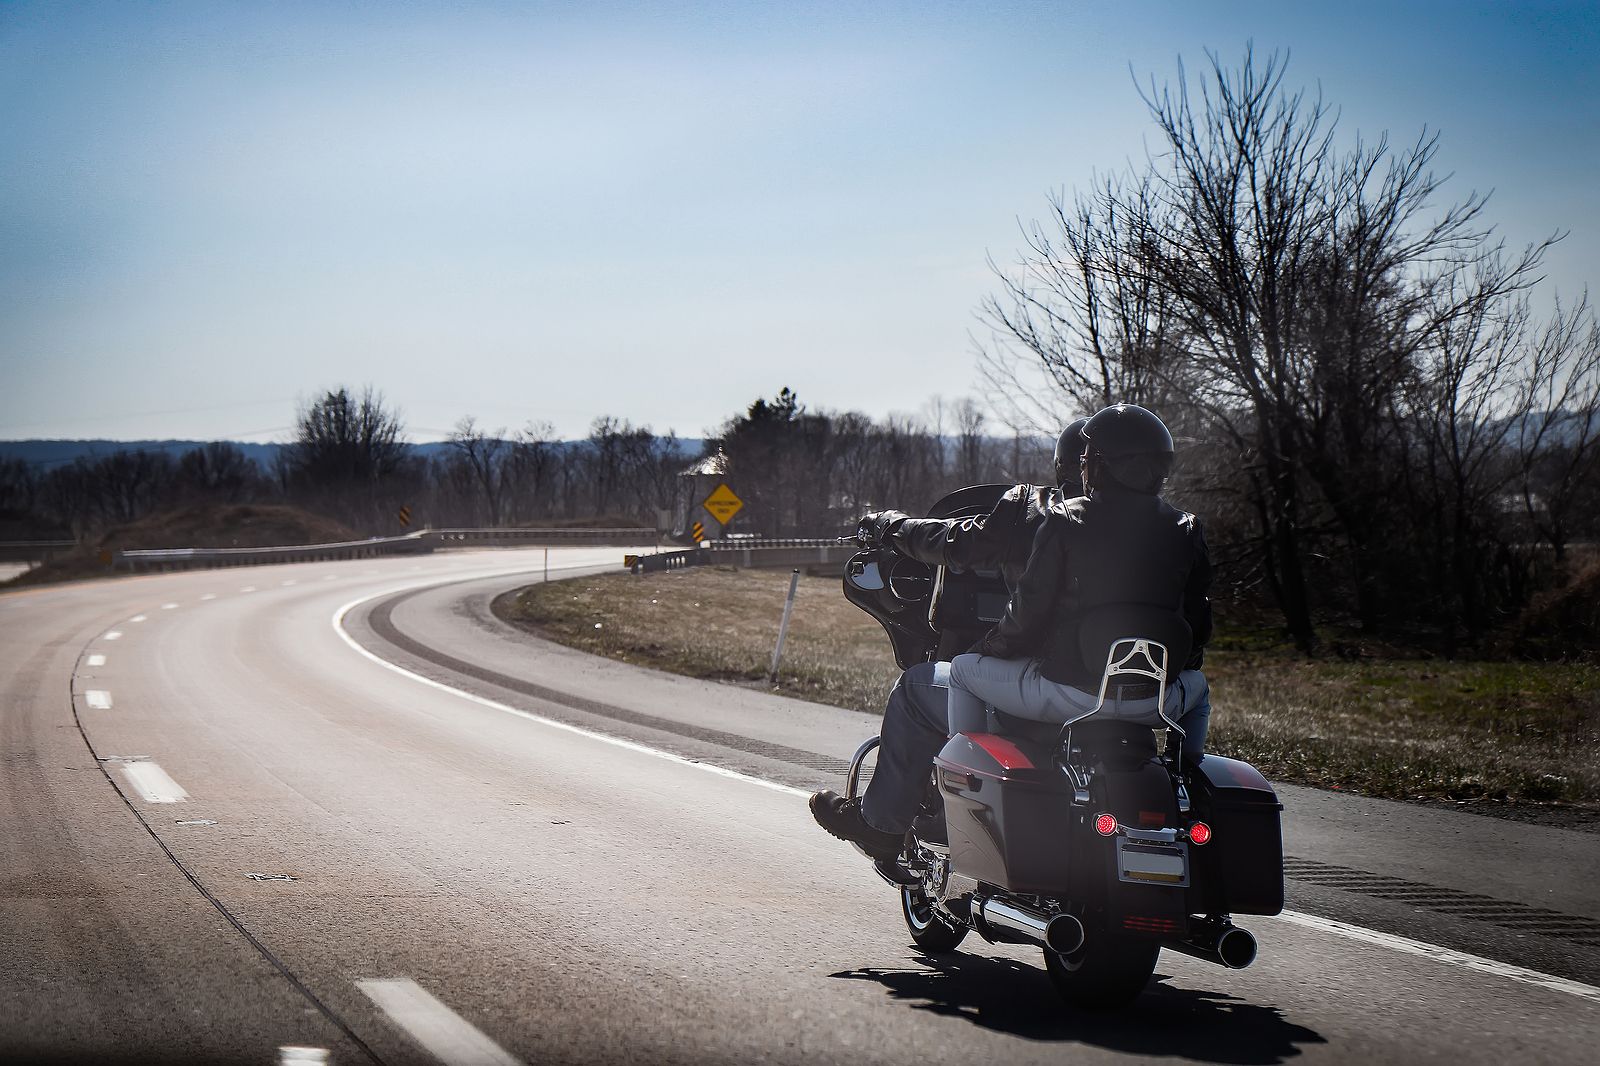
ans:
x=1199 y=833
x=1105 y=824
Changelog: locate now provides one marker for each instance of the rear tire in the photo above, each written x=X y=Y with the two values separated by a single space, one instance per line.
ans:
x=1108 y=971
x=928 y=929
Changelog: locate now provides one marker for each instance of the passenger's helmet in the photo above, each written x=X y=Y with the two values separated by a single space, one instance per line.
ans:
x=1131 y=446
x=1069 y=455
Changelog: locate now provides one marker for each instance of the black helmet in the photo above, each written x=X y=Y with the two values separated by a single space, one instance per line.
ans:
x=1069 y=451
x=1131 y=446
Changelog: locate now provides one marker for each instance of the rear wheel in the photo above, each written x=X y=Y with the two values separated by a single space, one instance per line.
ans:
x=928 y=928
x=1110 y=970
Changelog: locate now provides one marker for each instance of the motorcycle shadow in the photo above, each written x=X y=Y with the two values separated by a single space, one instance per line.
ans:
x=1013 y=997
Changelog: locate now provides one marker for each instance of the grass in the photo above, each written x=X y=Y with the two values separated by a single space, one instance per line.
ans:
x=1508 y=738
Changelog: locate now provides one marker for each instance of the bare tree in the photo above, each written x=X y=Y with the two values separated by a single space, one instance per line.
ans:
x=1271 y=292
x=218 y=471
x=349 y=457
x=1558 y=441
x=483 y=454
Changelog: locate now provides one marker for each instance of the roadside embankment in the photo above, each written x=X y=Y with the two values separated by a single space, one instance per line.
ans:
x=1513 y=739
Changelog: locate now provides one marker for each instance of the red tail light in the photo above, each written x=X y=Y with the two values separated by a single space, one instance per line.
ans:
x=1199 y=833
x=1105 y=824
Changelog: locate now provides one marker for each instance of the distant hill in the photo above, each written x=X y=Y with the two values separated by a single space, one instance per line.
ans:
x=46 y=454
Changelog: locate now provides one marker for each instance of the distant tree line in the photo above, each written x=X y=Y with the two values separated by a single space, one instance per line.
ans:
x=800 y=472
x=1378 y=426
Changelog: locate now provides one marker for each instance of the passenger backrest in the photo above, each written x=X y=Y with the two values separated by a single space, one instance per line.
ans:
x=1101 y=628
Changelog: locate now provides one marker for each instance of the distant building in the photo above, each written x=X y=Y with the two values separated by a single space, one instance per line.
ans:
x=695 y=482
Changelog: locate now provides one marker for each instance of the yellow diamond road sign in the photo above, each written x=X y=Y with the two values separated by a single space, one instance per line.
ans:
x=723 y=504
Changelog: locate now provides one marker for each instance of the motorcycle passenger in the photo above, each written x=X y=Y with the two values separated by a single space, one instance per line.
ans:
x=1126 y=545
x=1120 y=544
x=916 y=717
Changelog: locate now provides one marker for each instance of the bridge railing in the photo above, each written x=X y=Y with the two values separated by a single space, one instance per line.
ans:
x=820 y=554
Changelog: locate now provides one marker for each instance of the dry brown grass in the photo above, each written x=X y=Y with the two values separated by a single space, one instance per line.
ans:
x=1489 y=733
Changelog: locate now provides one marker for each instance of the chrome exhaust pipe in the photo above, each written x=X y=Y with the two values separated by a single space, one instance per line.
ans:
x=1225 y=945
x=1061 y=933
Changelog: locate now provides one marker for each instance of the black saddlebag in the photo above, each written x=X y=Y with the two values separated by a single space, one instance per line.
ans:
x=1240 y=871
x=1008 y=811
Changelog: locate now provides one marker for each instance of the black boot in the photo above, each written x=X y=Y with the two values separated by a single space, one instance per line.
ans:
x=842 y=818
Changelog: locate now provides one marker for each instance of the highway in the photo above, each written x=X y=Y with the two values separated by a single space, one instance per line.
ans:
x=337 y=812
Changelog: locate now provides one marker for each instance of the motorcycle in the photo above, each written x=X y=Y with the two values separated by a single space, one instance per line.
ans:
x=1082 y=838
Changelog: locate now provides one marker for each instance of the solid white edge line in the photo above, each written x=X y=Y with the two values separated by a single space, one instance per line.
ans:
x=604 y=738
x=1444 y=955
x=441 y=1031
x=153 y=783
x=1326 y=925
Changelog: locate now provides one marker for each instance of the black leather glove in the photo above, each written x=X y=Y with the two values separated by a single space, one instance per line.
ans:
x=873 y=528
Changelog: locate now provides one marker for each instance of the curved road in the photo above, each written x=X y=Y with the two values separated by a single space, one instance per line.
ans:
x=336 y=812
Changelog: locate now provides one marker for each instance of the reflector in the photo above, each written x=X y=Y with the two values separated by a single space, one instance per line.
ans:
x=1199 y=833
x=1105 y=824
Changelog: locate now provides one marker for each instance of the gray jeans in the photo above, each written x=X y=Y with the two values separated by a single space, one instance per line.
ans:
x=919 y=719
x=1016 y=687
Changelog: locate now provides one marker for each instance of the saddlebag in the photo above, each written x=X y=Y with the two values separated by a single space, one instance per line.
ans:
x=1008 y=812
x=1241 y=870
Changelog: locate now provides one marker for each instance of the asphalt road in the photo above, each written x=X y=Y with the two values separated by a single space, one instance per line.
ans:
x=231 y=829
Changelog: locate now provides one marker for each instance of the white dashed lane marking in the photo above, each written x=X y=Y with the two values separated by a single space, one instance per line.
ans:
x=248 y=588
x=153 y=783
x=209 y=596
x=97 y=660
x=114 y=635
x=296 y=1055
x=137 y=618
x=169 y=606
x=98 y=698
x=449 y=1037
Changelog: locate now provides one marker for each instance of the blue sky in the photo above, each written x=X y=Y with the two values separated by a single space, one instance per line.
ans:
x=549 y=212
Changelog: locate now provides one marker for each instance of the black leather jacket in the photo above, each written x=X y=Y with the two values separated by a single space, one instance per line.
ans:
x=1091 y=552
x=1000 y=540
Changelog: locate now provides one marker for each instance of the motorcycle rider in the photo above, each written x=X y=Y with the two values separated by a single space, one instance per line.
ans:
x=1120 y=544
x=1121 y=537
x=916 y=714
x=1000 y=540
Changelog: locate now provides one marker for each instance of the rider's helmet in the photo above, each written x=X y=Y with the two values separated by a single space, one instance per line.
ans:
x=1069 y=457
x=1129 y=447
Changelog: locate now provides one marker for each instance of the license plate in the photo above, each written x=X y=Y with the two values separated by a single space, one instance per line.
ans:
x=1161 y=864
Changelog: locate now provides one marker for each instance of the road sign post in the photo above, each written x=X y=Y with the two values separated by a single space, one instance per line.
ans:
x=783 y=628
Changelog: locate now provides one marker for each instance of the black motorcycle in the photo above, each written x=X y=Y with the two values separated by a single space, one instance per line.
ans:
x=1080 y=838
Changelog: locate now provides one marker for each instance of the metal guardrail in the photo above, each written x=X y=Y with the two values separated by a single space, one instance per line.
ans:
x=32 y=551
x=828 y=554
x=728 y=543
x=654 y=564
x=808 y=554
x=141 y=560
x=489 y=537
x=427 y=540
